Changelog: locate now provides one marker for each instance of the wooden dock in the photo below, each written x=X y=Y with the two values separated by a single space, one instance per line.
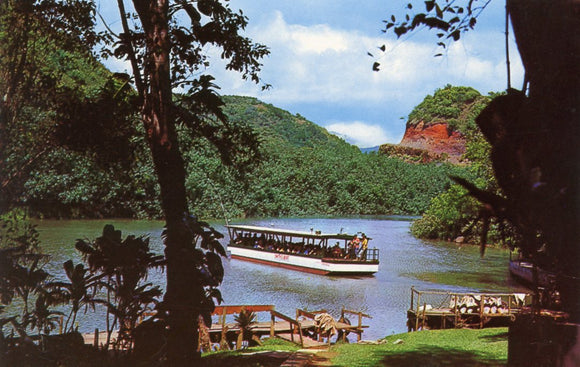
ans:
x=444 y=310
x=303 y=330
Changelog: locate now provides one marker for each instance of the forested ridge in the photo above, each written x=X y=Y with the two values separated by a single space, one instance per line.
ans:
x=304 y=171
x=74 y=149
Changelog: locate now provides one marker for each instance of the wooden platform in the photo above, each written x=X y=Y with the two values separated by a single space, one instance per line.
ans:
x=302 y=330
x=443 y=310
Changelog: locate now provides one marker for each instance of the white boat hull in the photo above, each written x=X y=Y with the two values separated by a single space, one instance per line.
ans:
x=304 y=263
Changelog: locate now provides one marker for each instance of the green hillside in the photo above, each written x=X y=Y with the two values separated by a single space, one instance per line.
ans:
x=277 y=126
x=75 y=149
x=456 y=106
x=307 y=171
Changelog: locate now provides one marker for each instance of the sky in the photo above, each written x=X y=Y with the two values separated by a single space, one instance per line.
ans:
x=319 y=67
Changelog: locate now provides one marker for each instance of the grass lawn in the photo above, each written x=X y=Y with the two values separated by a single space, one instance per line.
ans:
x=452 y=347
x=272 y=353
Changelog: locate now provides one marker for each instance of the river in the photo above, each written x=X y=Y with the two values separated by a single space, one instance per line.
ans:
x=405 y=262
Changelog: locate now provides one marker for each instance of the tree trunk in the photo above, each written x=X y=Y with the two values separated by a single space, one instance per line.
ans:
x=548 y=37
x=183 y=288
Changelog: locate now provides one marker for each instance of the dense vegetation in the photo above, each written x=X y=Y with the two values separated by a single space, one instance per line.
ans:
x=89 y=161
x=72 y=147
x=454 y=213
x=456 y=106
x=307 y=171
x=304 y=170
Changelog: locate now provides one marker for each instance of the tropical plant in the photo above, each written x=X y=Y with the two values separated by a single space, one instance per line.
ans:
x=121 y=266
x=245 y=321
x=42 y=318
x=21 y=272
x=77 y=291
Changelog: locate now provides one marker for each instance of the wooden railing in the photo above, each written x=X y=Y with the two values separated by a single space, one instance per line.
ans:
x=449 y=303
x=359 y=327
x=294 y=326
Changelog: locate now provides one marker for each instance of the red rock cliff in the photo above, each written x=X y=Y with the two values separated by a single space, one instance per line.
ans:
x=435 y=138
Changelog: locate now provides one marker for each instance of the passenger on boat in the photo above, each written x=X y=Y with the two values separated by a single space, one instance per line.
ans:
x=364 y=247
x=336 y=251
x=352 y=247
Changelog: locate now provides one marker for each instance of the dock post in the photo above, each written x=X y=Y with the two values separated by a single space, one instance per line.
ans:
x=359 y=334
x=481 y=304
x=273 y=318
x=423 y=317
x=417 y=312
x=96 y=339
x=224 y=333
x=455 y=309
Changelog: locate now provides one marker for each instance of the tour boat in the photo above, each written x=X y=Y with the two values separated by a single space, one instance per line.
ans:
x=311 y=252
x=523 y=271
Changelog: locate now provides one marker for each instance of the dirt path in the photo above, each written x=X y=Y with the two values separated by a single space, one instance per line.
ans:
x=307 y=358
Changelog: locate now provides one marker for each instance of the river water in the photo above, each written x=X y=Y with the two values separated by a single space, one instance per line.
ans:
x=405 y=262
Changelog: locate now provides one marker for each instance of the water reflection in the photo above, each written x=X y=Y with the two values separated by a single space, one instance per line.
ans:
x=405 y=262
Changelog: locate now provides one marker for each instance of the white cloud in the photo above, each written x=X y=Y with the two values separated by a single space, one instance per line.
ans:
x=318 y=63
x=118 y=65
x=326 y=66
x=361 y=134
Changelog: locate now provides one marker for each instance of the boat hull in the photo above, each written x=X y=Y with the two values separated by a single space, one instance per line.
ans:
x=524 y=271
x=305 y=263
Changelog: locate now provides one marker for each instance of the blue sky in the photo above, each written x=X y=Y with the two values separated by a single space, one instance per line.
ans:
x=319 y=67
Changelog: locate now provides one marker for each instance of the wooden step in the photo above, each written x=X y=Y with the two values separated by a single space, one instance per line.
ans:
x=307 y=342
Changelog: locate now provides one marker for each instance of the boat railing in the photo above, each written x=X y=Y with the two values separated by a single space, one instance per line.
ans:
x=370 y=255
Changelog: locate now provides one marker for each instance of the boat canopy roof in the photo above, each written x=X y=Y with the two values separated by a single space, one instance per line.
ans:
x=288 y=232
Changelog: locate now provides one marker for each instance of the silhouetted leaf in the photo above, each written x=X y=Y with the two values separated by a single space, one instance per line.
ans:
x=438 y=11
x=456 y=34
x=192 y=12
x=472 y=22
x=84 y=247
x=216 y=294
x=418 y=19
x=214 y=263
x=433 y=22
x=401 y=30
x=205 y=7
